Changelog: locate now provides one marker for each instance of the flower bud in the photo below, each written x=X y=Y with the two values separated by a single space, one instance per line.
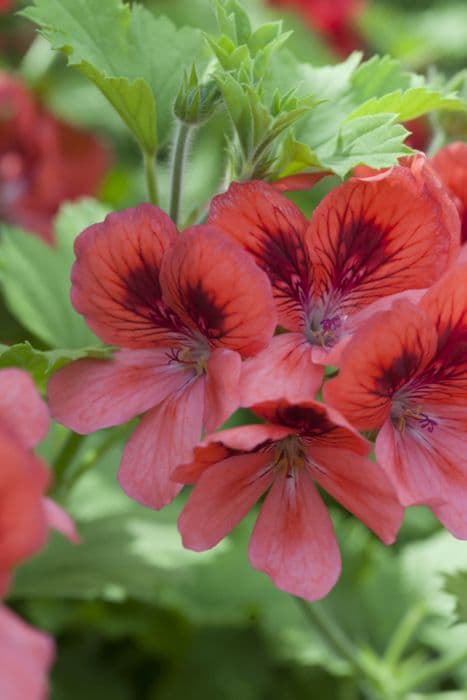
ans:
x=196 y=102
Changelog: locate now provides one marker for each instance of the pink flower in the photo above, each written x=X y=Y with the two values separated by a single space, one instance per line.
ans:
x=43 y=160
x=186 y=309
x=293 y=539
x=405 y=373
x=451 y=165
x=25 y=657
x=367 y=240
x=25 y=513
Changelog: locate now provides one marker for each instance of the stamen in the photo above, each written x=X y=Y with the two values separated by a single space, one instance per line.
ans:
x=424 y=421
x=331 y=325
x=427 y=422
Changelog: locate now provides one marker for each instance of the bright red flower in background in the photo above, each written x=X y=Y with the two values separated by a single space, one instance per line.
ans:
x=334 y=19
x=5 y=5
x=406 y=373
x=25 y=657
x=186 y=309
x=450 y=163
x=293 y=540
x=43 y=160
x=367 y=240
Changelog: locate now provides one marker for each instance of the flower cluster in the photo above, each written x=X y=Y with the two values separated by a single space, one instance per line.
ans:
x=26 y=515
x=248 y=310
x=43 y=160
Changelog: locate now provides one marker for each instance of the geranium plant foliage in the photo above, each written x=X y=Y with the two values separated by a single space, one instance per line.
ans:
x=254 y=346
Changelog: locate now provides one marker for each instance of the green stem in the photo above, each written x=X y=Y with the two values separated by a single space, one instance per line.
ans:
x=151 y=181
x=92 y=457
x=403 y=634
x=64 y=458
x=334 y=635
x=178 y=166
x=433 y=671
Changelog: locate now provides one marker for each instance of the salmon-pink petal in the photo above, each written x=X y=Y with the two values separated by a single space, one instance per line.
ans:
x=375 y=237
x=407 y=463
x=227 y=443
x=293 y=541
x=318 y=424
x=272 y=229
x=428 y=466
x=446 y=305
x=88 y=395
x=59 y=520
x=26 y=655
x=21 y=408
x=222 y=395
x=361 y=486
x=23 y=526
x=283 y=370
x=222 y=497
x=302 y=181
x=210 y=282
x=116 y=277
x=392 y=348
x=164 y=439
x=450 y=163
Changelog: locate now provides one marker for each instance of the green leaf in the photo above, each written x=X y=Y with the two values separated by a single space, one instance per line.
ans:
x=356 y=123
x=456 y=585
x=375 y=140
x=35 y=277
x=117 y=559
x=41 y=364
x=409 y=104
x=136 y=59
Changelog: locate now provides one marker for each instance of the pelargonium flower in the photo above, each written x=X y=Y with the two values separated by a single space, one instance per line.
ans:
x=293 y=540
x=25 y=513
x=43 y=160
x=186 y=309
x=450 y=163
x=26 y=655
x=335 y=20
x=367 y=240
x=405 y=372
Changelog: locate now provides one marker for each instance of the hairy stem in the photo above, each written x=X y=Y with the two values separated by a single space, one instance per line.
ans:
x=64 y=459
x=178 y=166
x=151 y=180
x=403 y=634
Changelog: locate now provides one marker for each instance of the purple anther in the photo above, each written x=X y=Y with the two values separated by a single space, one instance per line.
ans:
x=427 y=422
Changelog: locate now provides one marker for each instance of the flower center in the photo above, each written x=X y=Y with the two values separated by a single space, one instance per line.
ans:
x=289 y=455
x=324 y=322
x=192 y=356
x=405 y=416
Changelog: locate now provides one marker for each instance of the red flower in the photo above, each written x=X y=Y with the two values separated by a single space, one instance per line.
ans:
x=25 y=657
x=334 y=19
x=43 y=161
x=367 y=240
x=25 y=515
x=293 y=540
x=187 y=309
x=451 y=165
x=406 y=373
